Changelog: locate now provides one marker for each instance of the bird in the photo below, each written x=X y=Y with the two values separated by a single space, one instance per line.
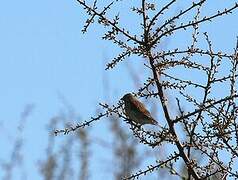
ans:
x=136 y=111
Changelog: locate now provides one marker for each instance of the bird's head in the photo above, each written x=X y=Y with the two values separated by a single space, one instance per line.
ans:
x=127 y=96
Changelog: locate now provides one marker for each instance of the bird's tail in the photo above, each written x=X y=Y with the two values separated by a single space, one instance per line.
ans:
x=154 y=122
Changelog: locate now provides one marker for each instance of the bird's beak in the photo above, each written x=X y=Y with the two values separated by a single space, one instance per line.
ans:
x=123 y=98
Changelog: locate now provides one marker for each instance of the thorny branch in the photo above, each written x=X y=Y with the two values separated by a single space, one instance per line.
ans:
x=211 y=126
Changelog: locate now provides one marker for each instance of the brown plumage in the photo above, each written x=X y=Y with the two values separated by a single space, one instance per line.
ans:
x=136 y=111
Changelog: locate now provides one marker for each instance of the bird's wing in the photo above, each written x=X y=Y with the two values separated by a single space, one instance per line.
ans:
x=136 y=104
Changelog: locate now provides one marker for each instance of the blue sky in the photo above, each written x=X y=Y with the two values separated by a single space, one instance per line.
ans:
x=43 y=54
